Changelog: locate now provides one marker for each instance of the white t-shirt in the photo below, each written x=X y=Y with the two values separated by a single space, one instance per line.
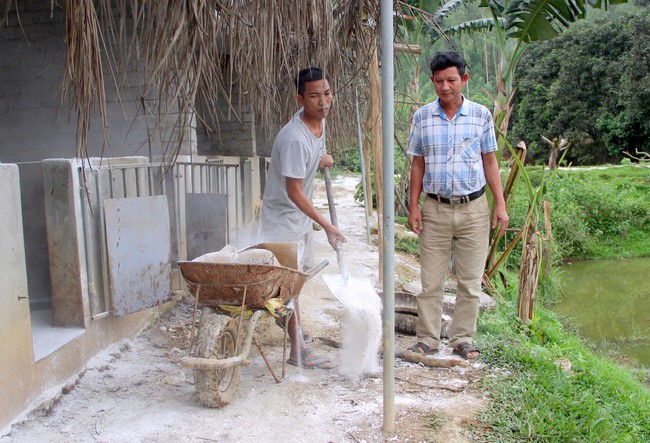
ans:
x=296 y=154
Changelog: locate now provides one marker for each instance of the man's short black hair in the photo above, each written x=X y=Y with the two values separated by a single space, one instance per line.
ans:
x=447 y=59
x=309 y=75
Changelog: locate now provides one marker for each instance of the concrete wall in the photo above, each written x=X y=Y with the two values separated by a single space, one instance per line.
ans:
x=23 y=380
x=26 y=379
x=36 y=123
x=239 y=136
x=31 y=191
x=15 y=326
x=236 y=132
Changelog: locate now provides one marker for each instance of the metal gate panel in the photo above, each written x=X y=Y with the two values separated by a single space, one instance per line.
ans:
x=138 y=246
x=207 y=223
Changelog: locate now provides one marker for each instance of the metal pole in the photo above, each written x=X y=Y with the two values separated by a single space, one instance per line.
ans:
x=366 y=197
x=388 y=131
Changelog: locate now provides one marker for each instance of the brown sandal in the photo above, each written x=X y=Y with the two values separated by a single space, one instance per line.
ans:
x=421 y=348
x=464 y=349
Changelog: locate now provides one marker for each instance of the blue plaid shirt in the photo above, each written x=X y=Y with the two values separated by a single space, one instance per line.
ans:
x=452 y=149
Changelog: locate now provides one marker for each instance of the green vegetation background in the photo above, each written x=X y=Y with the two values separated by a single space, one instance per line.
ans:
x=590 y=85
x=595 y=212
x=598 y=212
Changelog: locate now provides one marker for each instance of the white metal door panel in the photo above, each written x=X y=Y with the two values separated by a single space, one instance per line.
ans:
x=207 y=223
x=138 y=246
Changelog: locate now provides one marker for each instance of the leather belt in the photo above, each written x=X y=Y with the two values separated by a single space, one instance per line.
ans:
x=458 y=200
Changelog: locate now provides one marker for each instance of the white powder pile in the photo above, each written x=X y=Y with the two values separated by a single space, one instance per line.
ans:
x=228 y=254
x=362 y=328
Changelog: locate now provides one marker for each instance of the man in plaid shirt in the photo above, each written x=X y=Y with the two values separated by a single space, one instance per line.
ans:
x=453 y=145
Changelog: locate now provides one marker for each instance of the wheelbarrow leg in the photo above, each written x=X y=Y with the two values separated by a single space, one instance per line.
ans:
x=285 y=327
x=266 y=360
x=196 y=305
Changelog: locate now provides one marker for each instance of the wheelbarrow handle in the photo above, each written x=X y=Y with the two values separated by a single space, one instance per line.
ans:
x=316 y=269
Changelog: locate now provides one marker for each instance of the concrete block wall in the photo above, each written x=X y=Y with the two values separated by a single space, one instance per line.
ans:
x=236 y=134
x=36 y=123
x=243 y=141
x=15 y=326
x=239 y=132
x=36 y=120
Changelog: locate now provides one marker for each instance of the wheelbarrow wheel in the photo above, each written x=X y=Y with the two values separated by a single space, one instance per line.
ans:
x=217 y=339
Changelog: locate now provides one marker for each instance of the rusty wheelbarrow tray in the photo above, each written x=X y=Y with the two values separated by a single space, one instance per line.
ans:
x=218 y=355
x=237 y=284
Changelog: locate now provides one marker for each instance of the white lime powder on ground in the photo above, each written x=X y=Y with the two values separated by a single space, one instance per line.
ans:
x=362 y=328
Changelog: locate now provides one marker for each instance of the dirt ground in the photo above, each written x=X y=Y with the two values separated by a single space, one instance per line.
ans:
x=137 y=391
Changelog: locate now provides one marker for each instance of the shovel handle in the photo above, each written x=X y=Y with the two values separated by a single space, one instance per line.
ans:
x=330 y=196
x=335 y=221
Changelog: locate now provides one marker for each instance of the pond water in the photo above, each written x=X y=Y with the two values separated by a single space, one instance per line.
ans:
x=609 y=301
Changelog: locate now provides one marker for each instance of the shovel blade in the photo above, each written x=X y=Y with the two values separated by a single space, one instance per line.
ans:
x=352 y=291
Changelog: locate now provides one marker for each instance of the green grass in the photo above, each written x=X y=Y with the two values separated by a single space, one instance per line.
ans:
x=534 y=399
x=407 y=245
x=435 y=419
x=595 y=214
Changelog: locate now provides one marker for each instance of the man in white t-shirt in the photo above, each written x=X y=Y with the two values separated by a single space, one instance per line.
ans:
x=287 y=209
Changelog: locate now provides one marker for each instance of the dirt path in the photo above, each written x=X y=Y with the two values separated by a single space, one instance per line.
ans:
x=138 y=392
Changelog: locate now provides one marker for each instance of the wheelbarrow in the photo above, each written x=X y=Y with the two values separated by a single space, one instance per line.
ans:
x=218 y=353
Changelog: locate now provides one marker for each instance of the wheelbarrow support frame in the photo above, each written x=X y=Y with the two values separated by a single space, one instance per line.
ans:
x=212 y=364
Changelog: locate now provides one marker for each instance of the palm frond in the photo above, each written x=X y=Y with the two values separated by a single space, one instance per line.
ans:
x=4 y=18
x=193 y=56
x=448 y=8
x=535 y=20
x=495 y=5
x=87 y=79
x=478 y=25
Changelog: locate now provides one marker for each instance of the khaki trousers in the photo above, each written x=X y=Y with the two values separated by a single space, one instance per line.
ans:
x=465 y=228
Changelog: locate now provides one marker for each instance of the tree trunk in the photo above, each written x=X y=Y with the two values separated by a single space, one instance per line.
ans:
x=552 y=161
x=529 y=272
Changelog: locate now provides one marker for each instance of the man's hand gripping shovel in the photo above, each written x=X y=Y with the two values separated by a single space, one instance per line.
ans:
x=332 y=207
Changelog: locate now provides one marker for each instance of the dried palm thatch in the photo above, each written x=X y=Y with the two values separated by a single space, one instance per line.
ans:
x=194 y=53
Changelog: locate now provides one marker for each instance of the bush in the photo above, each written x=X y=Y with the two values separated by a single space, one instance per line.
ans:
x=594 y=213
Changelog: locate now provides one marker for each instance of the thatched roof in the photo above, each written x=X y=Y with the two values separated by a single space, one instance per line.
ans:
x=194 y=51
